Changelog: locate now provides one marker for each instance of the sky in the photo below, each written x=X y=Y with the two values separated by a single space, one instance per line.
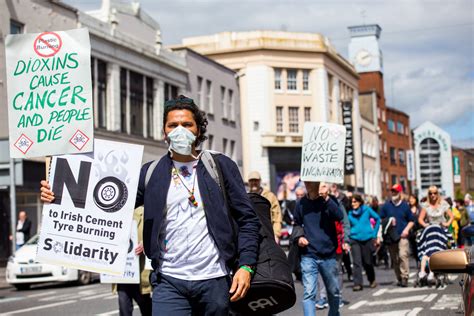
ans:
x=427 y=46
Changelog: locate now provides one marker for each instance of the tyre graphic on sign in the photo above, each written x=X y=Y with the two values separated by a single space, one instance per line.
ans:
x=110 y=194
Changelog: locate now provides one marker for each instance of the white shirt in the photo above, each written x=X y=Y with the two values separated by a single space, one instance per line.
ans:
x=20 y=236
x=187 y=250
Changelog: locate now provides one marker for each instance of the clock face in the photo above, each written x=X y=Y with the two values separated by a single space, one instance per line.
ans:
x=363 y=58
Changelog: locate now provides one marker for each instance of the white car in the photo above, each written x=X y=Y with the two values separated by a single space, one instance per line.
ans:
x=23 y=270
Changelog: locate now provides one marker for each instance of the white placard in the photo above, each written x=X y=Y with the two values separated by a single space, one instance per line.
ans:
x=88 y=225
x=131 y=275
x=49 y=93
x=322 y=157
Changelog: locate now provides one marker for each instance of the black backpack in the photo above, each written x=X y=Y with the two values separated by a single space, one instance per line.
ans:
x=271 y=290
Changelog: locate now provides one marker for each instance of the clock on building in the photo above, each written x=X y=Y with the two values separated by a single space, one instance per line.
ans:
x=363 y=58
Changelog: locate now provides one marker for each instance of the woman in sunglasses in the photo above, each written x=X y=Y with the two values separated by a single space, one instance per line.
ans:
x=435 y=217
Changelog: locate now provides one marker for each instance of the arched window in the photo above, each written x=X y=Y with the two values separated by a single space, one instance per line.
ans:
x=430 y=163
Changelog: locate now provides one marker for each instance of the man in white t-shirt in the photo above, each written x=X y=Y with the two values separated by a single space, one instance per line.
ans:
x=188 y=223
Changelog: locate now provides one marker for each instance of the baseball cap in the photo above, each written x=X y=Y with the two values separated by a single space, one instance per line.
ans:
x=254 y=175
x=397 y=187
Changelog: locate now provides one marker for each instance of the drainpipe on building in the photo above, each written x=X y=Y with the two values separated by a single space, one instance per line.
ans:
x=13 y=204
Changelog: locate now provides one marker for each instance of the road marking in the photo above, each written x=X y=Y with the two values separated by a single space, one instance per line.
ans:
x=415 y=298
x=39 y=307
x=112 y=296
x=113 y=312
x=11 y=299
x=358 y=304
x=430 y=297
x=94 y=297
x=448 y=301
x=404 y=290
x=404 y=312
x=42 y=294
x=63 y=297
x=415 y=311
x=380 y=292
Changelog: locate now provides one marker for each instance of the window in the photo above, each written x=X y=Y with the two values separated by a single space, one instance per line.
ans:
x=101 y=93
x=305 y=80
x=232 y=149
x=199 y=94
x=279 y=119
x=231 y=104
x=383 y=116
x=293 y=119
x=307 y=114
x=210 y=142
x=430 y=163
x=400 y=128
x=123 y=99
x=393 y=156
x=136 y=103
x=394 y=179
x=16 y=27
x=149 y=107
x=403 y=183
x=391 y=126
x=277 y=79
x=224 y=146
x=386 y=177
x=385 y=146
x=401 y=156
x=291 y=79
x=378 y=113
x=223 y=105
x=210 y=106
x=171 y=91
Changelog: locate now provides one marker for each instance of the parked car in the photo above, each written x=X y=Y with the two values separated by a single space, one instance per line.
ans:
x=459 y=261
x=22 y=269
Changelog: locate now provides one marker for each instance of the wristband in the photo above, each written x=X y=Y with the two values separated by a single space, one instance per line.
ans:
x=248 y=269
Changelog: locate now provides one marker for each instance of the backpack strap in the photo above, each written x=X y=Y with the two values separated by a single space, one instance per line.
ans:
x=149 y=171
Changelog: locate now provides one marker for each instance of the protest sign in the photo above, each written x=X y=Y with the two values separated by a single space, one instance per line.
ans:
x=131 y=275
x=49 y=93
x=88 y=224
x=322 y=156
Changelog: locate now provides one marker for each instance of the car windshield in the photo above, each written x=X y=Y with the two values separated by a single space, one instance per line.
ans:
x=33 y=240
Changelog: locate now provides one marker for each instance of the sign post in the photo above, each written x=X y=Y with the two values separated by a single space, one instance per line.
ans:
x=322 y=156
x=49 y=93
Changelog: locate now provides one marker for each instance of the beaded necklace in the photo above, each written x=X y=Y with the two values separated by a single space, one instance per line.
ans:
x=191 y=197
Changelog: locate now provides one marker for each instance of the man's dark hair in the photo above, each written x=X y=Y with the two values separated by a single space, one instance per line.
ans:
x=184 y=103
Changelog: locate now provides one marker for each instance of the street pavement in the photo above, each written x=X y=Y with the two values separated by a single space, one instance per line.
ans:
x=97 y=299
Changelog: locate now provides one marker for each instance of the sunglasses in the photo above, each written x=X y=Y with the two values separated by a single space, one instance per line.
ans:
x=433 y=193
x=182 y=100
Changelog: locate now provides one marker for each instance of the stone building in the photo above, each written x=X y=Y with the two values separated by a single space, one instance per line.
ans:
x=285 y=80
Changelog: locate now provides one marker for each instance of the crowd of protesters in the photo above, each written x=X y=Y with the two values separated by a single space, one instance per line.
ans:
x=360 y=234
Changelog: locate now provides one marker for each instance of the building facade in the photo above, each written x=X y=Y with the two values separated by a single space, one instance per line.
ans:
x=433 y=159
x=463 y=171
x=215 y=88
x=285 y=80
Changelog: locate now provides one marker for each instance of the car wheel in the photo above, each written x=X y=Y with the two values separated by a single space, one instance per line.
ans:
x=22 y=287
x=84 y=277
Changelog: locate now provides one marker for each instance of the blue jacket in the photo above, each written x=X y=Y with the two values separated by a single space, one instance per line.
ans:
x=361 y=229
x=318 y=219
x=218 y=222
x=402 y=214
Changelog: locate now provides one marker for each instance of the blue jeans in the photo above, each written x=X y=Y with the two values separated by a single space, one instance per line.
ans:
x=311 y=268
x=177 y=297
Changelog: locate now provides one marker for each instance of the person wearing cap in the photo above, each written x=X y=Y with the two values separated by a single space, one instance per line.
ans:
x=403 y=221
x=255 y=184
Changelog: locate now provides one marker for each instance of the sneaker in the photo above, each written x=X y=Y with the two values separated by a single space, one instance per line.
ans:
x=356 y=288
x=421 y=274
x=431 y=276
x=322 y=303
x=341 y=303
x=373 y=285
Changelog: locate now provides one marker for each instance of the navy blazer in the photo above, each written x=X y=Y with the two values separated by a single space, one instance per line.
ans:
x=218 y=222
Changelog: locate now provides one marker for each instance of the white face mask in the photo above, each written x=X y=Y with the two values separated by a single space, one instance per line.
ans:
x=181 y=141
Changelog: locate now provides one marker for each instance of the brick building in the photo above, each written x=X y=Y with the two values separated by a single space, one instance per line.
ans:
x=463 y=170
x=398 y=143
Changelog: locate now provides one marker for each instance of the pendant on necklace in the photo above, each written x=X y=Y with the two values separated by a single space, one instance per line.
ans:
x=192 y=199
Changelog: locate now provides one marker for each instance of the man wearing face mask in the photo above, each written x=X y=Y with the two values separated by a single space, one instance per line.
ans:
x=403 y=221
x=187 y=231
